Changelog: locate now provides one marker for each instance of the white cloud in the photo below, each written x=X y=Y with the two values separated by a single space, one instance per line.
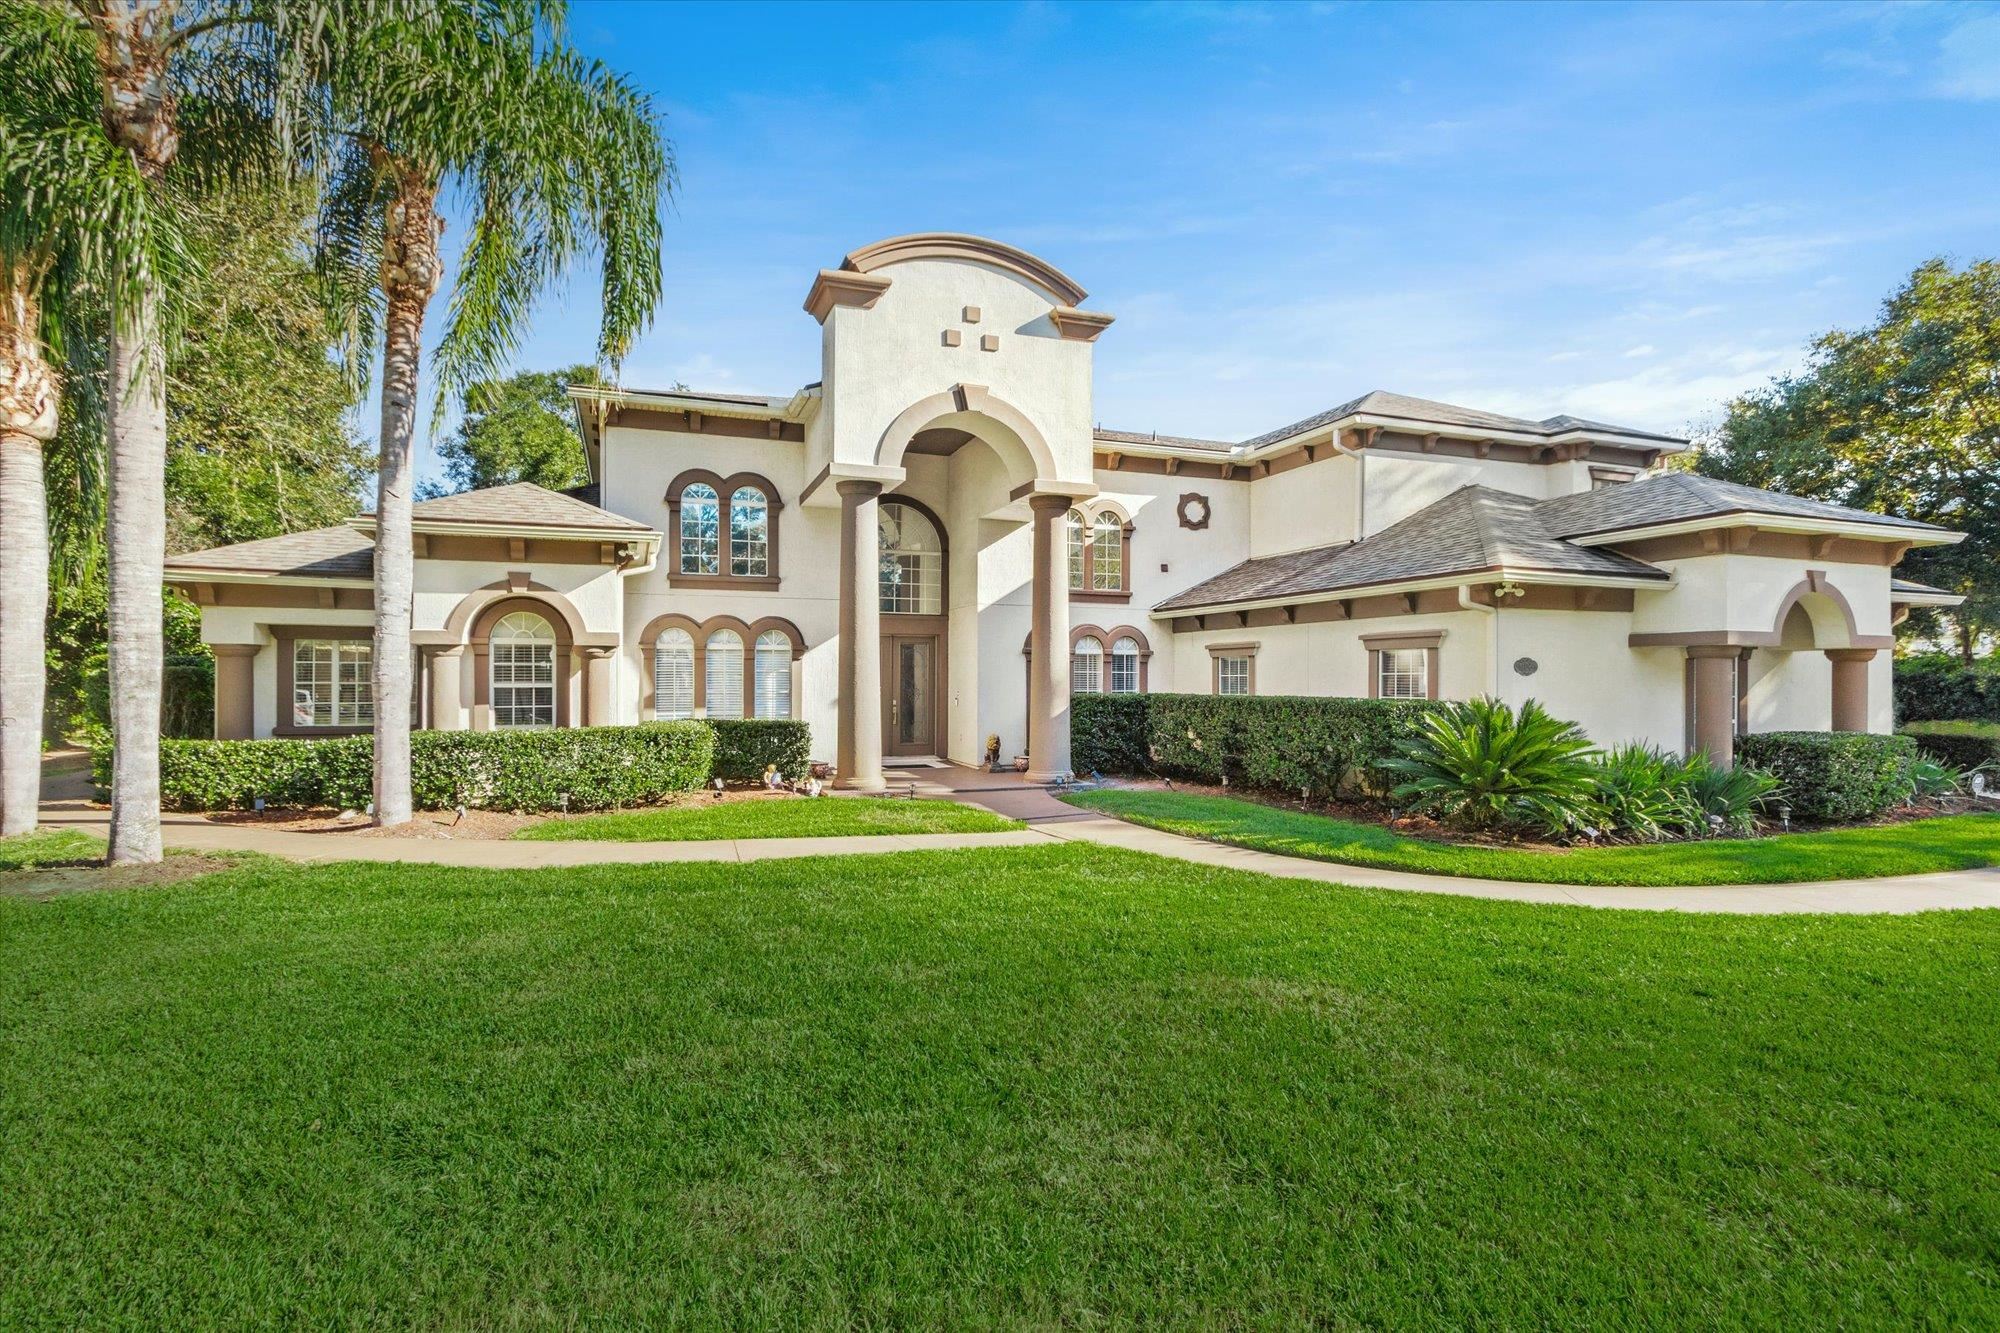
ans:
x=1969 y=60
x=1643 y=349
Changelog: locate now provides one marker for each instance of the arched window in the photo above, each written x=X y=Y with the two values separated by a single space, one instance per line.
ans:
x=1125 y=665
x=724 y=668
x=524 y=671
x=749 y=533
x=1086 y=666
x=701 y=535
x=774 y=674
x=1107 y=553
x=912 y=569
x=673 y=675
x=1073 y=528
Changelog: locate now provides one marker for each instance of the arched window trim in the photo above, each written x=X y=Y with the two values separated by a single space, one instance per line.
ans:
x=699 y=630
x=1082 y=589
x=1106 y=636
x=944 y=559
x=725 y=489
x=480 y=640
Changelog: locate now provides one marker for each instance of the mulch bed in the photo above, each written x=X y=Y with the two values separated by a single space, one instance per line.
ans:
x=474 y=825
x=40 y=883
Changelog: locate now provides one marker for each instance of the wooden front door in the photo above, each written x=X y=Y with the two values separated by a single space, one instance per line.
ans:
x=910 y=694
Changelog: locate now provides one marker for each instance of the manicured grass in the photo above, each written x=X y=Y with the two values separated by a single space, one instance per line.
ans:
x=1954 y=728
x=1955 y=842
x=1030 y=1086
x=48 y=847
x=826 y=817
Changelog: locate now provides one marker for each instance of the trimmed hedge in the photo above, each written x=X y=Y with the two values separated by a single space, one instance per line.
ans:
x=745 y=747
x=1938 y=688
x=1967 y=749
x=586 y=768
x=1277 y=743
x=1831 y=777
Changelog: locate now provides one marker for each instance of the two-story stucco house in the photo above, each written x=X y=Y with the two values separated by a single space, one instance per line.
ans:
x=932 y=543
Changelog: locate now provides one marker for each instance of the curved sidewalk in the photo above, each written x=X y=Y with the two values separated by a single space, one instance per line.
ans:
x=1050 y=820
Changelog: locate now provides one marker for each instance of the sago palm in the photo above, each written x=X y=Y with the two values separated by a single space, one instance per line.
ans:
x=555 y=157
x=1479 y=765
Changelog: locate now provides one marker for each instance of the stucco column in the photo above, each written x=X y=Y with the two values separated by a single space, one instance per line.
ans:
x=447 y=665
x=1048 y=639
x=235 y=690
x=1714 y=702
x=1850 y=687
x=596 y=687
x=858 y=752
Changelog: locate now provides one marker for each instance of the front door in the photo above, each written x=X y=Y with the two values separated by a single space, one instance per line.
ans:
x=909 y=694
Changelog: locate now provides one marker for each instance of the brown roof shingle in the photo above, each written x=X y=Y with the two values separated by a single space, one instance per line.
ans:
x=335 y=552
x=1677 y=496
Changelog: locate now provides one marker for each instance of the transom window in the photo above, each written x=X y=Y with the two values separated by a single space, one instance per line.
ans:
x=701 y=530
x=1125 y=666
x=912 y=561
x=725 y=674
x=673 y=675
x=1086 y=666
x=1403 y=673
x=524 y=671
x=1232 y=674
x=333 y=683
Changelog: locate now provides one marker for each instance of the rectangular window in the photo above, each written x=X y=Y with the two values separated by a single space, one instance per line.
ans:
x=1073 y=526
x=1232 y=674
x=1107 y=559
x=524 y=685
x=1124 y=672
x=749 y=534
x=1403 y=673
x=333 y=683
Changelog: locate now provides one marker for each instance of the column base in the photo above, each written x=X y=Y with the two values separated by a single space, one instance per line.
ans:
x=1045 y=776
x=860 y=784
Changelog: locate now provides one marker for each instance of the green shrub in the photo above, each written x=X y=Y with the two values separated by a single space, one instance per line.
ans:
x=1289 y=744
x=745 y=747
x=1937 y=687
x=187 y=696
x=1479 y=765
x=1644 y=793
x=1964 y=745
x=1107 y=733
x=1730 y=797
x=1831 y=777
x=585 y=768
x=1933 y=780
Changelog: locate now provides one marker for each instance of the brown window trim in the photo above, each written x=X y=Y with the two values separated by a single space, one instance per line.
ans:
x=1377 y=644
x=481 y=643
x=287 y=637
x=1218 y=651
x=724 y=487
x=920 y=622
x=1122 y=594
x=699 y=630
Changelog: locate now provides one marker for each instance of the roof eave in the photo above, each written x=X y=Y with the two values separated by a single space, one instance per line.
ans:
x=186 y=574
x=1888 y=530
x=1451 y=430
x=1491 y=574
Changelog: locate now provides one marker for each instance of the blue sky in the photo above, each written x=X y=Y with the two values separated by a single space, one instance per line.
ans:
x=1627 y=212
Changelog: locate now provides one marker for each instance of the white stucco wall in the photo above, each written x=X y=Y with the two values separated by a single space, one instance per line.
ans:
x=1585 y=672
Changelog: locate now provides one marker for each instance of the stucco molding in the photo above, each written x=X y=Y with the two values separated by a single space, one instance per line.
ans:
x=1081 y=326
x=1815 y=584
x=836 y=288
x=967 y=249
x=976 y=400
x=545 y=598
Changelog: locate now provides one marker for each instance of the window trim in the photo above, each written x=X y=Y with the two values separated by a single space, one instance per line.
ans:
x=1377 y=644
x=750 y=631
x=906 y=618
x=724 y=488
x=1107 y=635
x=554 y=685
x=287 y=637
x=1090 y=514
x=1218 y=651
x=480 y=641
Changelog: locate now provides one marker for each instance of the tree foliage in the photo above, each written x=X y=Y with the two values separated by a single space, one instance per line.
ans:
x=1900 y=417
x=519 y=428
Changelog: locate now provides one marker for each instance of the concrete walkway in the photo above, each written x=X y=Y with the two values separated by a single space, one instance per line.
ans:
x=1049 y=821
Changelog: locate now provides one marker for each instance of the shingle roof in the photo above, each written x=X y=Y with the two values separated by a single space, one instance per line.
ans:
x=1107 y=436
x=1677 y=496
x=335 y=552
x=1426 y=411
x=1473 y=530
x=1907 y=586
x=522 y=504
x=771 y=401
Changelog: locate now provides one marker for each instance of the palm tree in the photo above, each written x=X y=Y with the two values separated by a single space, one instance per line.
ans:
x=143 y=98
x=556 y=157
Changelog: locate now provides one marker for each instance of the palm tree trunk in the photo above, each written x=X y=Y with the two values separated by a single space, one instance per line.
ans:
x=137 y=540
x=28 y=403
x=409 y=278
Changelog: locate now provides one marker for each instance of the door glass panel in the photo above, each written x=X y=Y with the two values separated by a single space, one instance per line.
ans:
x=913 y=692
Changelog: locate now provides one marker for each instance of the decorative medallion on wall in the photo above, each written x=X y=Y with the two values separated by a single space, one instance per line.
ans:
x=1193 y=511
x=1526 y=666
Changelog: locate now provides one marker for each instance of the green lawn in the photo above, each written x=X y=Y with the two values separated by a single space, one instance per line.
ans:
x=1027 y=1086
x=1955 y=842
x=1953 y=728
x=827 y=817
x=48 y=847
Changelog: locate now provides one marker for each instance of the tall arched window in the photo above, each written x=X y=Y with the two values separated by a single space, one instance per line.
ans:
x=774 y=674
x=1086 y=666
x=1107 y=553
x=749 y=533
x=701 y=535
x=912 y=568
x=524 y=671
x=673 y=675
x=724 y=667
x=1073 y=528
x=1125 y=665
